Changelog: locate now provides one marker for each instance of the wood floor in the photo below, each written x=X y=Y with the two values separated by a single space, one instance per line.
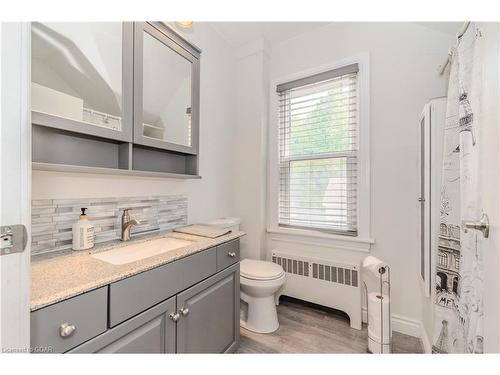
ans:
x=307 y=328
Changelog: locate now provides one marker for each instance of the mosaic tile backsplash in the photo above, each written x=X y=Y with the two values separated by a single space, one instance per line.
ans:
x=52 y=219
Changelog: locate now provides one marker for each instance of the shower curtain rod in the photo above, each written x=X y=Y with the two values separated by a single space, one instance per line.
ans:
x=460 y=33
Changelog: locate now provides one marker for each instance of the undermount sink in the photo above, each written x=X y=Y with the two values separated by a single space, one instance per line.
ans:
x=134 y=252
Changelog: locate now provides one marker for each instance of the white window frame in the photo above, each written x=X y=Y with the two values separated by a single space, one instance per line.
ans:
x=363 y=239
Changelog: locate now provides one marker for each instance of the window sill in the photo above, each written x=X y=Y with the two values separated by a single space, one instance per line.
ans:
x=311 y=237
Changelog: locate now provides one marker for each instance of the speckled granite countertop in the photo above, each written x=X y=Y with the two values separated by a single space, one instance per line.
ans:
x=60 y=275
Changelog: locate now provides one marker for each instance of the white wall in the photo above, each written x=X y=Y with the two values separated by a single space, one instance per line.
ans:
x=209 y=197
x=404 y=58
x=251 y=141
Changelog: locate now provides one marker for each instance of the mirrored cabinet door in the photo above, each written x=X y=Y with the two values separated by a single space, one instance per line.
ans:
x=166 y=90
x=82 y=77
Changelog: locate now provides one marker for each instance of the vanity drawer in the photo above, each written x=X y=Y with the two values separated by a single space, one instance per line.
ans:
x=227 y=254
x=84 y=316
x=138 y=293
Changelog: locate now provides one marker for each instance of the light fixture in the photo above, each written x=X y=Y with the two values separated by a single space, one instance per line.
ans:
x=184 y=24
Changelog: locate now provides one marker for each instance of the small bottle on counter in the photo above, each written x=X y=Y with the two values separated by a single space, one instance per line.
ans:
x=83 y=232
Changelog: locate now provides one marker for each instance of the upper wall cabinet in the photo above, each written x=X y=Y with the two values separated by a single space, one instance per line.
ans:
x=166 y=89
x=82 y=78
x=115 y=98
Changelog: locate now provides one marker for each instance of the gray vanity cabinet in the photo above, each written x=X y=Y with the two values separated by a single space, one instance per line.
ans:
x=209 y=311
x=153 y=331
x=187 y=306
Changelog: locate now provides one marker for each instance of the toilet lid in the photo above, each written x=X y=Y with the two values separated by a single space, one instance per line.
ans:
x=260 y=270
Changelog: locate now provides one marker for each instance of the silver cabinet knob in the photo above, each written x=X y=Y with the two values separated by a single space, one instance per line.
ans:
x=67 y=330
x=184 y=311
x=482 y=225
x=421 y=199
x=174 y=316
x=231 y=254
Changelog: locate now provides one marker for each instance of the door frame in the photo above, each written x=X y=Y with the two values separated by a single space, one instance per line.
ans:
x=15 y=164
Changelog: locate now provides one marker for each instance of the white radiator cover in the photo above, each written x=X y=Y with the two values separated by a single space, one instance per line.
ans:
x=320 y=281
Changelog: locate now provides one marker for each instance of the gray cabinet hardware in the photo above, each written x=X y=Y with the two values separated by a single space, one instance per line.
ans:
x=174 y=316
x=228 y=254
x=184 y=311
x=67 y=330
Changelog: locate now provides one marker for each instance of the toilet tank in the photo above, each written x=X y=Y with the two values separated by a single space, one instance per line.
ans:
x=232 y=223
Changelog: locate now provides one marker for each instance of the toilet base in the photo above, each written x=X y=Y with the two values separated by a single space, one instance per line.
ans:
x=261 y=316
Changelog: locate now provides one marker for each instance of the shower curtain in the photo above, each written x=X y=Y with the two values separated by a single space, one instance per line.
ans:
x=459 y=265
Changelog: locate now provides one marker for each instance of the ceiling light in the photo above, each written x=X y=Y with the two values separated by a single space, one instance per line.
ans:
x=184 y=24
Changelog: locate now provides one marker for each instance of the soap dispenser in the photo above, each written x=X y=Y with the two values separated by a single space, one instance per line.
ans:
x=83 y=232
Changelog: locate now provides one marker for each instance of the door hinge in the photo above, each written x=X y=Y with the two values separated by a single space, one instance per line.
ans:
x=13 y=239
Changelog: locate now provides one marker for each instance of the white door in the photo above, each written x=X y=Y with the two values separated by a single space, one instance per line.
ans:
x=489 y=178
x=15 y=182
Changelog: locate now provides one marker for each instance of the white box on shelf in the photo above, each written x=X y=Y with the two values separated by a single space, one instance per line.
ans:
x=53 y=102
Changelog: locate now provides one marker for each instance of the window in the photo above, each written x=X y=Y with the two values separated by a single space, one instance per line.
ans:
x=318 y=151
x=443 y=260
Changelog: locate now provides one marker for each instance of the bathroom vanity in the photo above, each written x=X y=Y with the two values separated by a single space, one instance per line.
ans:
x=181 y=301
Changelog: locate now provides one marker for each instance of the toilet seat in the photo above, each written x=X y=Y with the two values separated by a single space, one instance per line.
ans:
x=260 y=270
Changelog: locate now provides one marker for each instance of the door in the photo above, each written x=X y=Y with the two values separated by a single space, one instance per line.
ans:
x=489 y=182
x=166 y=89
x=81 y=77
x=152 y=331
x=15 y=183
x=209 y=312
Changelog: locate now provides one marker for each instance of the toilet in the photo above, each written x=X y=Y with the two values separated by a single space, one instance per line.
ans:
x=259 y=282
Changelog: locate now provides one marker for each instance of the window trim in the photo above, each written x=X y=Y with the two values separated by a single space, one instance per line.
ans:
x=363 y=237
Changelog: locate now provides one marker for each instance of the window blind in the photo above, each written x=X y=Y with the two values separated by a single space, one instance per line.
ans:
x=318 y=151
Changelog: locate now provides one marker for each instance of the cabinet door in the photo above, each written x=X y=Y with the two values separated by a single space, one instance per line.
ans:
x=166 y=89
x=81 y=77
x=153 y=331
x=211 y=324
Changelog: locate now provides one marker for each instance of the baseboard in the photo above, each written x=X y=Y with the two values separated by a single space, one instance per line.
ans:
x=402 y=324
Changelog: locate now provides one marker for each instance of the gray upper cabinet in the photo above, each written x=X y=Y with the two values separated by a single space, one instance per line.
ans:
x=81 y=78
x=166 y=89
x=115 y=98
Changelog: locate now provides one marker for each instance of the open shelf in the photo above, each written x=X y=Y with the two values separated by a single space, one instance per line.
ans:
x=60 y=150
x=109 y=171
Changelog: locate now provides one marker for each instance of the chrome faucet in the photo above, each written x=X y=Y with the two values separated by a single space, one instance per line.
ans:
x=127 y=224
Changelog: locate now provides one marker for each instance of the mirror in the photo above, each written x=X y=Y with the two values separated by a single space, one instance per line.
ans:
x=166 y=93
x=77 y=71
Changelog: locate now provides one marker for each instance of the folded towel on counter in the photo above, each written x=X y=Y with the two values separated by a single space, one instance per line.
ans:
x=203 y=230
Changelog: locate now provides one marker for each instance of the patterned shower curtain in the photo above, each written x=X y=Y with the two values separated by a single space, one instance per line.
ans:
x=458 y=324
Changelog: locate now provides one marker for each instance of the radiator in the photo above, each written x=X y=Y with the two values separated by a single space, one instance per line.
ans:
x=327 y=283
